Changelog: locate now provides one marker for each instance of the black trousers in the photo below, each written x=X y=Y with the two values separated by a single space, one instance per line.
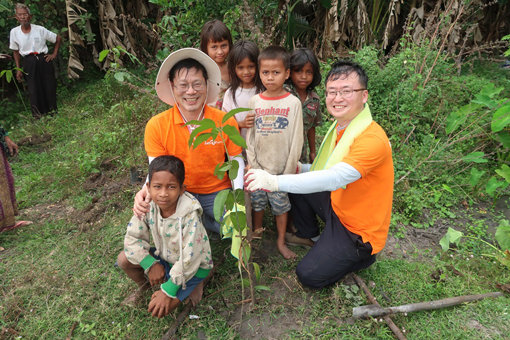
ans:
x=41 y=83
x=337 y=252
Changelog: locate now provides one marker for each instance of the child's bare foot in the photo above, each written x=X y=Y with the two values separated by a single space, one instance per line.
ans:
x=196 y=294
x=286 y=252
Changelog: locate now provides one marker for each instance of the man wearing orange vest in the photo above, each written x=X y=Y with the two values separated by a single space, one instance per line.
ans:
x=349 y=186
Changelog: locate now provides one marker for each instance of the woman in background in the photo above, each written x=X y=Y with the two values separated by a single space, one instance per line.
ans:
x=8 y=207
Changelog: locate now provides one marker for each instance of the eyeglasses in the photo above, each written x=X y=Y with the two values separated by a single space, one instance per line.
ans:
x=346 y=93
x=183 y=87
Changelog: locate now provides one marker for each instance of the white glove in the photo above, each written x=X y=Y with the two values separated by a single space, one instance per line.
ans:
x=257 y=179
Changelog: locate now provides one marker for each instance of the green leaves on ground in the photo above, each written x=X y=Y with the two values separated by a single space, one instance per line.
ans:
x=452 y=236
x=503 y=235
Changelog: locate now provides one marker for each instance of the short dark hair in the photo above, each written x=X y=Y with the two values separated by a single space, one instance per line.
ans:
x=215 y=31
x=344 y=68
x=299 y=58
x=188 y=64
x=171 y=164
x=276 y=53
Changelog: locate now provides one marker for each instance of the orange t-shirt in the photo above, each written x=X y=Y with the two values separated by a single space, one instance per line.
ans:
x=364 y=206
x=166 y=134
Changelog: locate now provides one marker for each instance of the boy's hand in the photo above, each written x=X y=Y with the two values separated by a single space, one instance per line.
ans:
x=142 y=200
x=160 y=305
x=156 y=274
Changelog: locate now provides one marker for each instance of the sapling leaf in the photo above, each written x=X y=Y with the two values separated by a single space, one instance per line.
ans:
x=451 y=236
x=476 y=157
x=256 y=270
x=261 y=287
x=503 y=234
x=239 y=196
x=8 y=76
x=229 y=202
x=238 y=220
x=232 y=173
x=475 y=176
x=233 y=112
x=201 y=138
x=216 y=171
x=246 y=254
x=203 y=125
x=219 y=204
x=501 y=118
x=504 y=172
x=215 y=132
x=234 y=135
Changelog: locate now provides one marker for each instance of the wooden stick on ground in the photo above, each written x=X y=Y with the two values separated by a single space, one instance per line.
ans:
x=398 y=333
x=375 y=311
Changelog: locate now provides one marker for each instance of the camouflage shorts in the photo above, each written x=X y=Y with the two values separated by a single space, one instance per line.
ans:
x=279 y=201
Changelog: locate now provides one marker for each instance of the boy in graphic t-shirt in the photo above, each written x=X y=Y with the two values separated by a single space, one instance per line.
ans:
x=275 y=142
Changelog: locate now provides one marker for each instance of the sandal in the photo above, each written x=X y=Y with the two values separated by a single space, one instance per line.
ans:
x=257 y=233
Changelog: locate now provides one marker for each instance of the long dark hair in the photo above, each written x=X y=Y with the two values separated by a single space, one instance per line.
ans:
x=243 y=49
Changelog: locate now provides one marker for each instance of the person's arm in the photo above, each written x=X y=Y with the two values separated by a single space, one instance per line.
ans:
x=13 y=147
x=331 y=179
x=143 y=198
x=50 y=57
x=17 y=60
x=311 y=143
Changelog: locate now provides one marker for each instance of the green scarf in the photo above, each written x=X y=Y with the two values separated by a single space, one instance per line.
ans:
x=331 y=154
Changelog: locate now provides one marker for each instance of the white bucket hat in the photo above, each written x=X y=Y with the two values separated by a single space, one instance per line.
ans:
x=213 y=74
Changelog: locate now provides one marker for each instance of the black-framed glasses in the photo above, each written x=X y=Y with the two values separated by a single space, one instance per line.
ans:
x=346 y=93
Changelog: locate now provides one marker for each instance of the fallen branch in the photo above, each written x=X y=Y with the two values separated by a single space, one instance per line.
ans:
x=376 y=310
x=398 y=333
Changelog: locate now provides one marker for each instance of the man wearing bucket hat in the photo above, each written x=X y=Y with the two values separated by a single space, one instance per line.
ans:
x=187 y=80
